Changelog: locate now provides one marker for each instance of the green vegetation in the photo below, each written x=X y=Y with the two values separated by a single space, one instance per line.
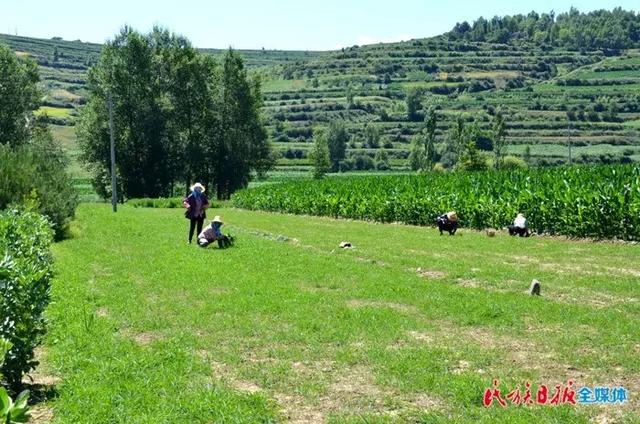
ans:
x=37 y=173
x=54 y=112
x=549 y=83
x=32 y=163
x=191 y=119
x=25 y=274
x=600 y=29
x=19 y=96
x=406 y=327
x=572 y=201
x=10 y=411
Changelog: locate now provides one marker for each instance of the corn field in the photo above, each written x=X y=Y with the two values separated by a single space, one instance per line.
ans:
x=599 y=202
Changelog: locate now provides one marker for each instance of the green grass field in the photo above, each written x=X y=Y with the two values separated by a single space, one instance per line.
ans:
x=408 y=326
x=54 y=112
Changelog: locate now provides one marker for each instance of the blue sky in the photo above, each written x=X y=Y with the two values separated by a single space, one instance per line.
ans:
x=284 y=24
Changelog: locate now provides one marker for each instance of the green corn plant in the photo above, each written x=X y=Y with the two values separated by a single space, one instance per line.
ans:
x=589 y=201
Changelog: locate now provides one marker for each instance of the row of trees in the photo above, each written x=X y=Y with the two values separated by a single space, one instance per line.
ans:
x=32 y=164
x=600 y=29
x=462 y=144
x=179 y=116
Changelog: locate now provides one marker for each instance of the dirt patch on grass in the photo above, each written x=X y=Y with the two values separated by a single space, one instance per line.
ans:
x=400 y=307
x=296 y=410
x=424 y=402
x=39 y=379
x=461 y=367
x=512 y=352
x=224 y=373
x=41 y=414
x=273 y=237
x=470 y=283
x=420 y=336
x=145 y=338
x=313 y=367
x=102 y=312
x=371 y=261
x=430 y=274
x=219 y=290
x=352 y=392
x=591 y=298
x=624 y=272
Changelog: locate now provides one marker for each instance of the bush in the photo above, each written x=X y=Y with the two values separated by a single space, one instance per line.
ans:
x=25 y=273
x=40 y=168
x=363 y=163
x=439 y=169
x=10 y=411
x=512 y=162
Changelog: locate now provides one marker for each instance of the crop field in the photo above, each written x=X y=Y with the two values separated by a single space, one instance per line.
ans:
x=55 y=112
x=572 y=201
x=407 y=326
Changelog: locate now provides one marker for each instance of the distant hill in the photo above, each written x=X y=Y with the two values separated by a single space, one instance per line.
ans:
x=550 y=91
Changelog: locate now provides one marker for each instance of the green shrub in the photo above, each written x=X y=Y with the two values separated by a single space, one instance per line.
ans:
x=14 y=412
x=512 y=162
x=25 y=273
x=10 y=411
x=40 y=168
x=439 y=169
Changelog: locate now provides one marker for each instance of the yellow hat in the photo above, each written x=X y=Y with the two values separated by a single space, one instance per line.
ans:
x=218 y=219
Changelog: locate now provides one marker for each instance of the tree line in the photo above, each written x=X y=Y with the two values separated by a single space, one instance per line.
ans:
x=32 y=164
x=179 y=116
x=465 y=147
x=600 y=29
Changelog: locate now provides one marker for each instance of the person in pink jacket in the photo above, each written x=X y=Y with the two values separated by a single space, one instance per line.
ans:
x=196 y=204
x=213 y=233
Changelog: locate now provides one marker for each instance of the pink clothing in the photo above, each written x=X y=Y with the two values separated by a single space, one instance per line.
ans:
x=208 y=233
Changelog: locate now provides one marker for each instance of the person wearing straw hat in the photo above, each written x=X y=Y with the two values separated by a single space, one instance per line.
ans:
x=519 y=227
x=196 y=204
x=212 y=233
x=448 y=222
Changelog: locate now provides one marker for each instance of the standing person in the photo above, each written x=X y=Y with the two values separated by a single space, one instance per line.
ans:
x=196 y=204
x=519 y=226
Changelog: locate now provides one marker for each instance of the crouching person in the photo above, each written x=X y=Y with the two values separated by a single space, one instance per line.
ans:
x=212 y=233
x=448 y=222
x=519 y=227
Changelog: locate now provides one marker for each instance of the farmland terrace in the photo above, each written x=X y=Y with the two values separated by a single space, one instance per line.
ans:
x=550 y=96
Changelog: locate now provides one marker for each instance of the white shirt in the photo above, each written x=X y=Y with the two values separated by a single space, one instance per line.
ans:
x=520 y=222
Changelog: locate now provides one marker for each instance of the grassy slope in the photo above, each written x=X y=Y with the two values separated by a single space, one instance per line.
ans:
x=148 y=329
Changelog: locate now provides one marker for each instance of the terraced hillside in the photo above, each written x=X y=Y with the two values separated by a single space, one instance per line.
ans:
x=548 y=97
x=551 y=97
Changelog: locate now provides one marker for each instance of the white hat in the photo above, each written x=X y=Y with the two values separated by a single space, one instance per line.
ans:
x=218 y=219
x=451 y=216
x=197 y=185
